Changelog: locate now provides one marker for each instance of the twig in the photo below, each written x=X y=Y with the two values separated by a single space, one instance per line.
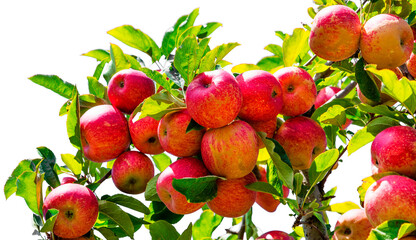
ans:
x=107 y=175
x=242 y=228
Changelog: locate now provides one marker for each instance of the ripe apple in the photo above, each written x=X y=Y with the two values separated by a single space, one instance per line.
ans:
x=353 y=224
x=386 y=40
x=230 y=151
x=299 y=90
x=66 y=180
x=233 y=198
x=266 y=200
x=302 y=139
x=87 y=236
x=78 y=209
x=411 y=65
x=128 y=88
x=276 y=235
x=181 y=168
x=269 y=127
x=143 y=134
x=394 y=149
x=104 y=133
x=262 y=96
x=131 y=172
x=391 y=197
x=324 y=95
x=335 y=33
x=173 y=137
x=214 y=98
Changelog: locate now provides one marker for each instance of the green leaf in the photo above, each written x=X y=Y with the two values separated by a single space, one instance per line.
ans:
x=367 y=85
x=137 y=39
x=343 y=207
x=187 y=234
x=98 y=54
x=270 y=63
x=72 y=123
x=159 y=211
x=251 y=229
x=335 y=115
x=72 y=163
x=156 y=107
x=10 y=186
x=264 y=187
x=387 y=230
x=47 y=166
x=368 y=181
x=96 y=88
x=387 y=112
x=162 y=161
x=52 y=214
x=273 y=178
x=208 y=28
x=369 y=132
x=128 y=201
x=244 y=67
x=275 y=49
x=116 y=214
x=206 y=224
x=186 y=60
x=162 y=230
x=54 y=83
x=405 y=229
x=107 y=233
x=151 y=194
x=321 y=165
x=293 y=45
x=193 y=126
x=196 y=190
x=213 y=57
x=298 y=181
x=311 y=12
x=158 y=78
x=26 y=188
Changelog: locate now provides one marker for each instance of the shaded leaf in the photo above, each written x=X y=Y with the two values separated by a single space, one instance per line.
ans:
x=387 y=230
x=128 y=201
x=47 y=166
x=115 y=213
x=187 y=233
x=367 y=85
x=159 y=211
x=197 y=190
x=162 y=230
x=52 y=214
x=151 y=194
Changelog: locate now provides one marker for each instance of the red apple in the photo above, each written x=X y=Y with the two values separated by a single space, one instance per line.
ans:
x=386 y=40
x=262 y=96
x=214 y=98
x=181 y=168
x=143 y=134
x=266 y=200
x=335 y=33
x=173 y=137
x=131 y=172
x=87 y=236
x=299 y=90
x=391 y=197
x=230 y=151
x=128 y=88
x=104 y=133
x=233 y=198
x=394 y=149
x=66 y=180
x=269 y=127
x=276 y=235
x=78 y=209
x=302 y=139
x=353 y=224
x=411 y=65
x=324 y=95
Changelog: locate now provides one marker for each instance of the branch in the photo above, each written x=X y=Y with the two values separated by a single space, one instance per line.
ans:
x=242 y=230
x=107 y=175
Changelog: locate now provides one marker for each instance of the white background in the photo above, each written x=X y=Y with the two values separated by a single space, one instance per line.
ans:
x=48 y=37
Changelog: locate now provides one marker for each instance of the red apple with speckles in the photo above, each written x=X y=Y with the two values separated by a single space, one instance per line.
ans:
x=233 y=198
x=78 y=209
x=353 y=224
x=324 y=95
x=275 y=235
x=143 y=134
x=176 y=202
x=266 y=200
x=394 y=149
x=391 y=197
x=335 y=33
x=230 y=151
x=262 y=96
x=174 y=138
x=132 y=171
x=128 y=88
x=214 y=98
x=386 y=40
x=299 y=90
x=104 y=133
x=66 y=180
x=269 y=127
x=303 y=139
x=411 y=65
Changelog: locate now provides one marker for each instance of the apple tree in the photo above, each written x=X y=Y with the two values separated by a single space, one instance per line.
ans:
x=192 y=130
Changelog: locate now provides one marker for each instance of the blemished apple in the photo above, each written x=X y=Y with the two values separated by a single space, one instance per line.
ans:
x=182 y=168
x=131 y=172
x=324 y=95
x=391 y=197
x=394 y=149
x=269 y=127
x=173 y=136
x=230 y=151
x=353 y=224
x=104 y=133
x=143 y=133
x=299 y=90
x=128 y=88
x=386 y=40
x=78 y=209
x=233 y=198
x=266 y=200
x=214 y=98
x=262 y=96
x=335 y=33
x=275 y=235
x=411 y=65
x=302 y=139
